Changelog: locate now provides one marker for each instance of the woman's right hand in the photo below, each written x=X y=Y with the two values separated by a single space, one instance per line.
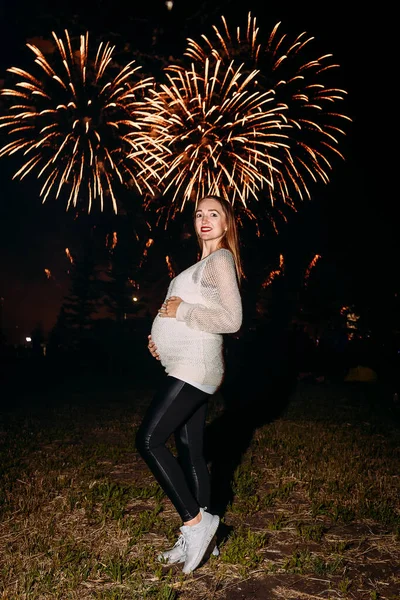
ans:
x=153 y=348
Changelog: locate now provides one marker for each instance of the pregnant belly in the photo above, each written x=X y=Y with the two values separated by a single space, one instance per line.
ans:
x=169 y=335
x=177 y=343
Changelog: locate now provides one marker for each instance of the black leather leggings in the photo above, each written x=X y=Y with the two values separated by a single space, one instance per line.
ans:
x=177 y=408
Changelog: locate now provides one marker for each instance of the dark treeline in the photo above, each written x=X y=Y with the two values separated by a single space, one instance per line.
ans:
x=298 y=323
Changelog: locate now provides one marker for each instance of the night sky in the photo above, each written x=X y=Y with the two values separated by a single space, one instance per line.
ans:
x=351 y=222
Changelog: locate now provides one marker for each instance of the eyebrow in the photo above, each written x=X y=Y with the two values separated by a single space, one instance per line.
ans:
x=209 y=210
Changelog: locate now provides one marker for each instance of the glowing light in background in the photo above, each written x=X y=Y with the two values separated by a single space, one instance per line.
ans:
x=352 y=319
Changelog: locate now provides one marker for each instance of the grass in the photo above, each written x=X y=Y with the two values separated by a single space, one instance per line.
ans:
x=315 y=509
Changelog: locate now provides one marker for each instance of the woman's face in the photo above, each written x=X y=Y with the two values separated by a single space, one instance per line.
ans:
x=210 y=221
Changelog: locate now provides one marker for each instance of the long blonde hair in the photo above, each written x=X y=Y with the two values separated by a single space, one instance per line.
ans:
x=230 y=240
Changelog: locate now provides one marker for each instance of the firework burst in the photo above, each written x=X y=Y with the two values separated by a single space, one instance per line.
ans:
x=221 y=135
x=75 y=125
x=301 y=83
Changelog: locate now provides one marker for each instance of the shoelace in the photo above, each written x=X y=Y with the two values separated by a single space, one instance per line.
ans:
x=181 y=541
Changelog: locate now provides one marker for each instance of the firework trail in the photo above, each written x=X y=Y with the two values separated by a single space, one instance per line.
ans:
x=310 y=267
x=148 y=245
x=75 y=124
x=248 y=119
x=69 y=256
x=274 y=273
x=50 y=277
x=171 y=271
x=112 y=241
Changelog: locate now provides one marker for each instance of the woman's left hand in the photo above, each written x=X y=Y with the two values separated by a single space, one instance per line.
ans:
x=169 y=307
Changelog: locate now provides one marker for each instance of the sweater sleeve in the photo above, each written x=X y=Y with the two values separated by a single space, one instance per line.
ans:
x=221 y=311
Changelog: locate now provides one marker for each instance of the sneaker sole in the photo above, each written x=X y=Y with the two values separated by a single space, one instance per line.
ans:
x=207 y=540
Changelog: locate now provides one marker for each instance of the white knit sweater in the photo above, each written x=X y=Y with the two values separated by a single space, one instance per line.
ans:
x=190 y=345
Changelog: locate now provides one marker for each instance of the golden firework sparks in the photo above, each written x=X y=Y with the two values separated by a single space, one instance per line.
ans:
x=310 y=267
x=217 y=134
x=171 y=271
x=275 y=273
x=301 y=81
x=69 y=256
x=114 y=240
x=76 y=121
x=149 y=243
x=48 y=273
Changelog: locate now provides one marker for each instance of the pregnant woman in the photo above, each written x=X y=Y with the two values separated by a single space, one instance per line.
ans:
x=202 y=303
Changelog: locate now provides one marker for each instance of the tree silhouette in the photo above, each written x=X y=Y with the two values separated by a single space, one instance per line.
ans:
x=82 y=302
x=121 y=272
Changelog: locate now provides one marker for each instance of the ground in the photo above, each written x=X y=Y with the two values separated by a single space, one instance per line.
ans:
x=308 y=495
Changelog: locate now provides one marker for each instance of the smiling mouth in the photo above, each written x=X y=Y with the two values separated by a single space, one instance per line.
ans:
x=205 y=229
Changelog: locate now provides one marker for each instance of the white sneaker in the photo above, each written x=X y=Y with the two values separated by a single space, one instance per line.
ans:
x=198 y=538
x=177 y=554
